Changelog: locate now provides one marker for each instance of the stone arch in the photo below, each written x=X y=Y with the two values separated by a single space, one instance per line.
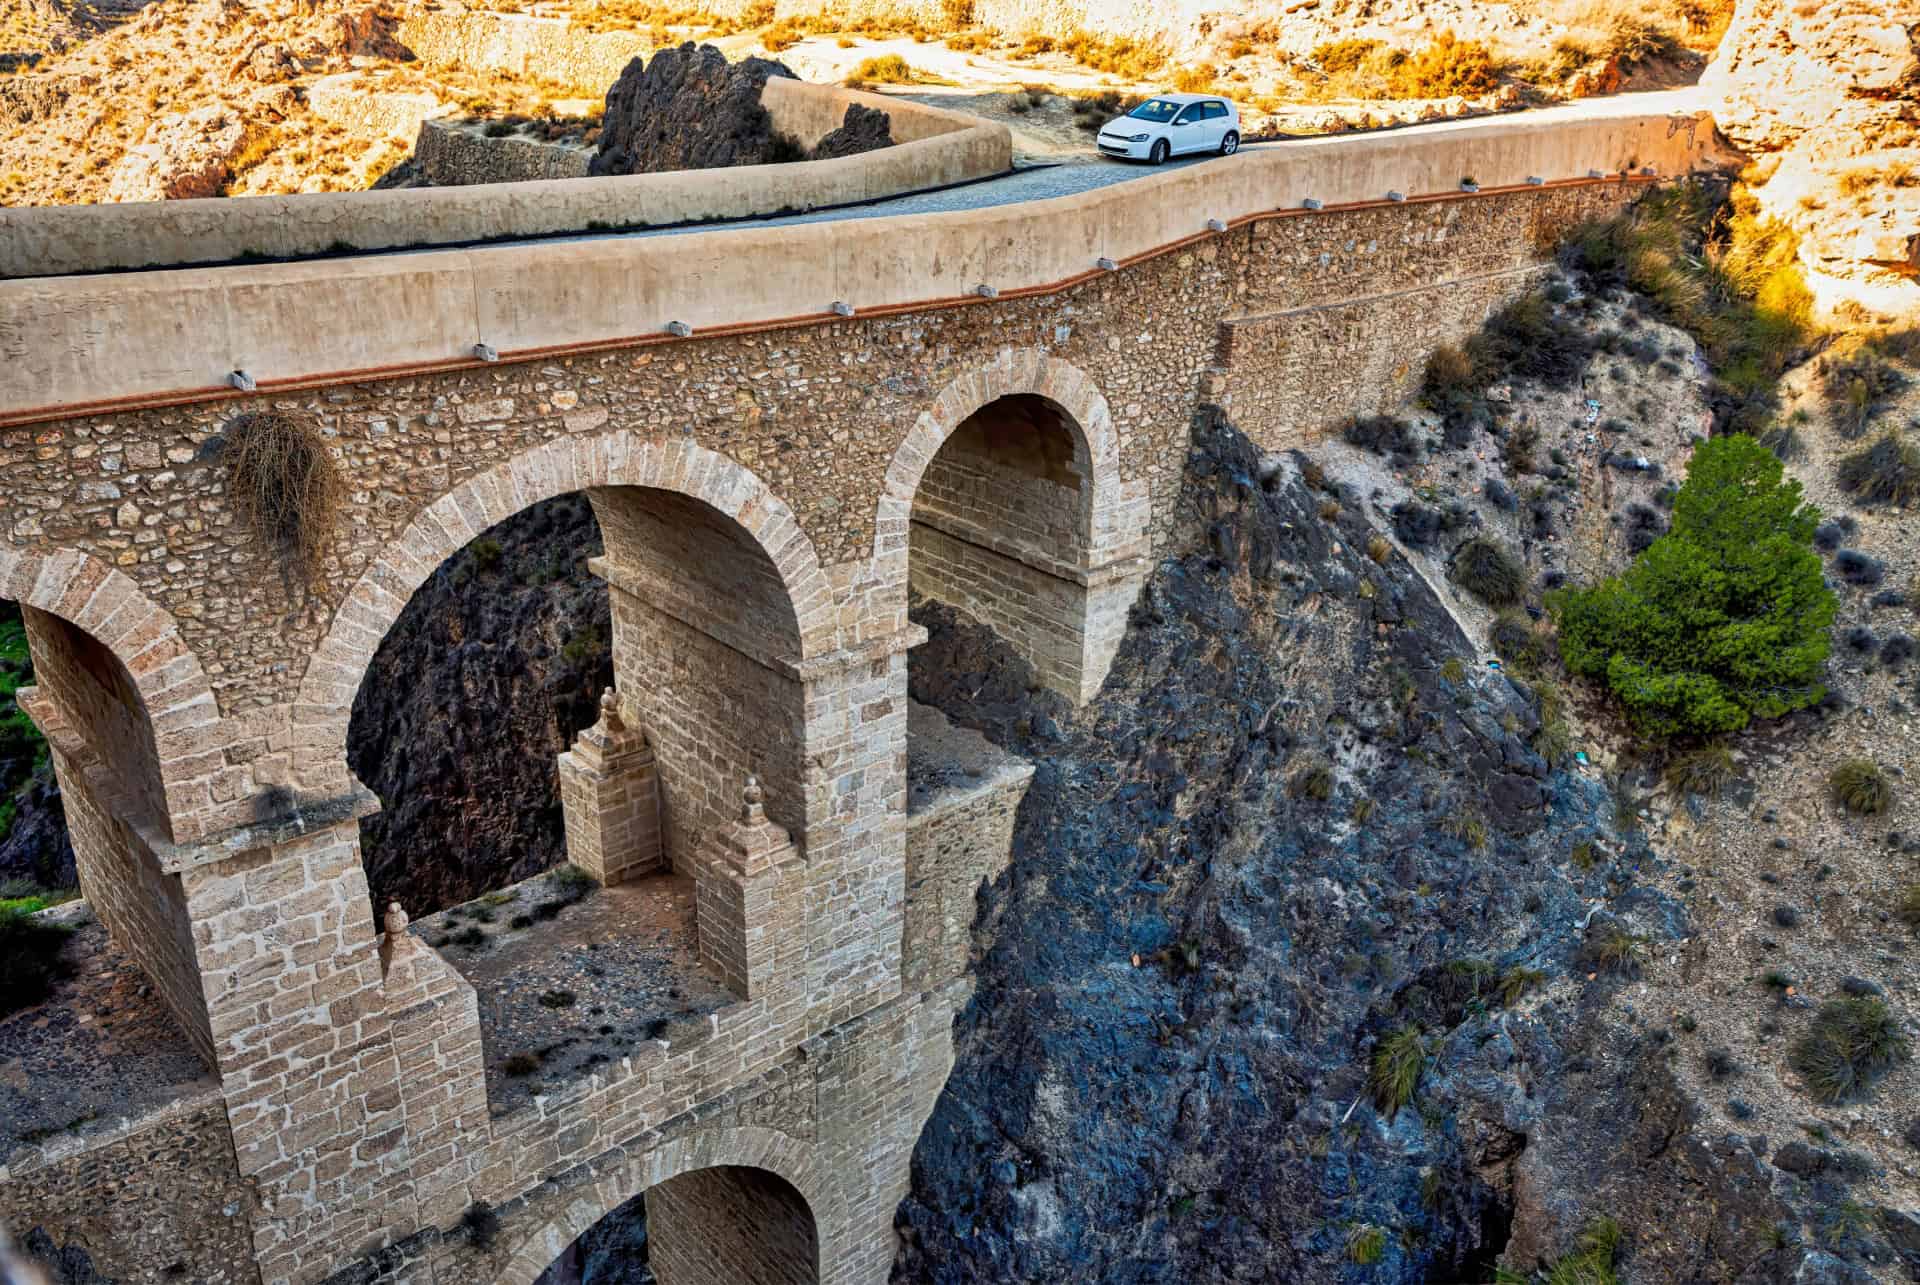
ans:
x=984 y=527
x=1110 y=526
x=182 y=713
x=749 y=1147
x=323 y=707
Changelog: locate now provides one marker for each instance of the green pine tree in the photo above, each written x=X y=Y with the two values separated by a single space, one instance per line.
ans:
x=1722 y=620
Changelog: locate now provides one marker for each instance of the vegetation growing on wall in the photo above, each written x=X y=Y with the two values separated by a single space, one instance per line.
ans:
x=1723 y=619
x=283 y=485
x=21 y=748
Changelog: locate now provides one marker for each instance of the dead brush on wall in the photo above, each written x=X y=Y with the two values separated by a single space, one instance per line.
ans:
x=284 y=485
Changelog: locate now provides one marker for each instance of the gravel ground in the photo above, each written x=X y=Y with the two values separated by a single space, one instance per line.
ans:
x=98 y=1050
x=578 y=985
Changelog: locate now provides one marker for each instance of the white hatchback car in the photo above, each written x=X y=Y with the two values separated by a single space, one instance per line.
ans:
x=1173 y=125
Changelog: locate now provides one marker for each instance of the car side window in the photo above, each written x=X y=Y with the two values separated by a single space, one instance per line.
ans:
x=1216 y=111
x=1188 y=116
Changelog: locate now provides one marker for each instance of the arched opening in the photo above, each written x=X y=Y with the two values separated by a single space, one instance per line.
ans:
x=558 y=723
x=102 y=1014
x=1001 y=529
x=726 y=1225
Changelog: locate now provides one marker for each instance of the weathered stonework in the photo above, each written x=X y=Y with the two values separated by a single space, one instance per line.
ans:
x=158 y=1201
x=767 y=500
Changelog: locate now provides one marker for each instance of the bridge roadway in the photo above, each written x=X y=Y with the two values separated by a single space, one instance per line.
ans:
x=1044 y=182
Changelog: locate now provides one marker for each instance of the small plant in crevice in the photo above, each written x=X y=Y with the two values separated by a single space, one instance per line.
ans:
x=1366 y=1244
x=1861 y=787
x=1705 y=771
x=1907 y=909
x=1612 y=949
x=283 y=483
x=1464 y=822
x=1314 y=781
x=1398 y=1060
x=1850 y=1046
x=481 y=1224
x=1592 y=1260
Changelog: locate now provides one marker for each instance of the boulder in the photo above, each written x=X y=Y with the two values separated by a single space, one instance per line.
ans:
x=865 y=129
x=688 y=109
x=183 y=156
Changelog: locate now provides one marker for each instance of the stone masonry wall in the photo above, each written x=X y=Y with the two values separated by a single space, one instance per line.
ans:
x=161 y=1202
x=311 y=1040
x=816 y=413
x=304 y=1040
x=1038 y=613
x=452 y=154
x=1268 y=371
x=730 y=1225
x=952 y=848
x=714 y=717
x=144 y=909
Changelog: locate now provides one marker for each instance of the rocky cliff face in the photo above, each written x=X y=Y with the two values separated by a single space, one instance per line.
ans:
x=1302 y=829
x=491 y=671
x=1826 y=95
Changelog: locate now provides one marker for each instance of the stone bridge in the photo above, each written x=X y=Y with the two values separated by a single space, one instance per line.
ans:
x=993 y=412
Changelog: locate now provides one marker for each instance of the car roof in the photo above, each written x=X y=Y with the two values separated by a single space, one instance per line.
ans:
x=1192 y=98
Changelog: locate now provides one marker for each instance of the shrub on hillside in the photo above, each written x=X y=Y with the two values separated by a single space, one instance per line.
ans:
x=1886 y=472
x=1446 y=68
x=1722 y=620
x=1719 y=270
x=1634 y=42
x=1852 y=1043
x=883 y=69
x=1487 y=571
x=1860 y=787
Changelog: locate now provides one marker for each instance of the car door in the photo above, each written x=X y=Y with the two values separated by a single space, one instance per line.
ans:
x=1188 y=133
x=1220 y=122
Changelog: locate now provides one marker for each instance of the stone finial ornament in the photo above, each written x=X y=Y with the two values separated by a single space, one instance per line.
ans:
x=610 y=713
x=750 y=810
x=396 y=919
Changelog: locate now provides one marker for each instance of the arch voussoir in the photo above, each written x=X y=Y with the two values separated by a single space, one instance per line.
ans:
x=557 y=467
x=108 y=606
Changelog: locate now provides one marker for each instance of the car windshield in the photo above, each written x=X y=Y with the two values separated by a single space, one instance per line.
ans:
x=1158 y=110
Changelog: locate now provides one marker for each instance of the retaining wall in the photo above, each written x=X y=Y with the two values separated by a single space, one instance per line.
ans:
x=550 y=48
x=160 y=1200
x=454 y=154
x=947 y=147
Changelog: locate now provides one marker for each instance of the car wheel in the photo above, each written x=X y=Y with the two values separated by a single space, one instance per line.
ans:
x=1230 y=144
x=1157 y=154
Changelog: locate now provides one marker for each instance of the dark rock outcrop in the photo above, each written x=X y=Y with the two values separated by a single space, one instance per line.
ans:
x=865 y=129
x=689 y=109
x=36 y=847
x=493 y=668
x=1187 y=971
